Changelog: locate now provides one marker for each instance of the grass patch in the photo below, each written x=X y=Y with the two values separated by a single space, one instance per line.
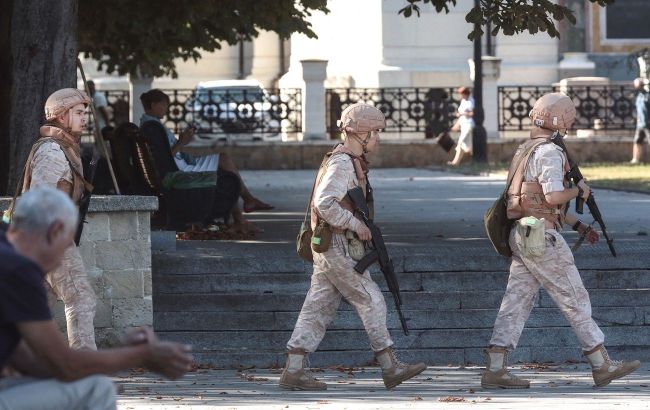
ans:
x=622 y=176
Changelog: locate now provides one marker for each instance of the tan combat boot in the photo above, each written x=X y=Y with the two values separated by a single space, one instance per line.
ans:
x=605 y=369
x=496 y=376
x=296 y=377
x=395 y=372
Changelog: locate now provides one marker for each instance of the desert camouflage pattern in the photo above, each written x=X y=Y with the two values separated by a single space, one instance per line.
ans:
x=70 y=281
x=555 y=270
x=557 y=273
x=334 y=276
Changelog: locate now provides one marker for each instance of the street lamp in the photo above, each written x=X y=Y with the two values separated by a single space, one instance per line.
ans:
x=479 y=136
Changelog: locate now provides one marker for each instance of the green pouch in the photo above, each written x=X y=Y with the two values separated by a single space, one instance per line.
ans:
x=189 y=180
x=303 y=242
x=531 y=238
x=322 y=237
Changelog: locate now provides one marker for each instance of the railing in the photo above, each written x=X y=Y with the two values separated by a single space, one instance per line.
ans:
x=272 y=111
x=612 y=105
x=118 y=107
x=407 y=110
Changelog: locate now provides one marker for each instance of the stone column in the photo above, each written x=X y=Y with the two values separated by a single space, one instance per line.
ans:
x=491 y=73
x=314 y=73
x=266 y=59
x=137 y=86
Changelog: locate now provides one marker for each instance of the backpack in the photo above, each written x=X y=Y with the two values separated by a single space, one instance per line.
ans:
x=496 y=221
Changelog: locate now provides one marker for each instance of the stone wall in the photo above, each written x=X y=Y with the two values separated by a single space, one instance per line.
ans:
x=403 y=153
x=116 y=250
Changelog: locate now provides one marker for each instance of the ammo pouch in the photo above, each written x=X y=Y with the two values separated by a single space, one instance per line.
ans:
x=322 y=237
x=531 y=236
x=356 y=247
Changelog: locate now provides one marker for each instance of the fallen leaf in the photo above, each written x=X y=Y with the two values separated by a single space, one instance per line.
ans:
x=452 y=399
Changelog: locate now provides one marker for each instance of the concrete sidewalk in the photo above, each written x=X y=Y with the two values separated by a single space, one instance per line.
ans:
x=568 y=386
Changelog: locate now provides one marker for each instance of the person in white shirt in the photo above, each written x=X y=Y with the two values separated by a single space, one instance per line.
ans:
x=101 y=105
x=465 y=121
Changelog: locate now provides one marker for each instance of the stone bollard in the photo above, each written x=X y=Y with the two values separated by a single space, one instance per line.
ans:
x=491 y=73
x=137 y=86
x=314 y=73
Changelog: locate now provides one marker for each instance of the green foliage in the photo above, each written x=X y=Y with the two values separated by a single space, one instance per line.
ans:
x=509 y=16
x=145 y=36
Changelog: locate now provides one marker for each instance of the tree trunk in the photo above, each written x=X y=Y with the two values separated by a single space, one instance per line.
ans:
x=40 y=44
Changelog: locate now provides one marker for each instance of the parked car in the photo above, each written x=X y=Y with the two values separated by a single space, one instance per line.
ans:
x=233 y=110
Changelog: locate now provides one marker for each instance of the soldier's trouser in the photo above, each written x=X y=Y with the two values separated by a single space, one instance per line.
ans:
x=557 y=273
x=70 y=283
x=334 y=277
x=26 y=393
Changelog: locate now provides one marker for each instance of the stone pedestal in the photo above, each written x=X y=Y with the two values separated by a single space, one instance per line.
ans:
x=314 y=73
x=491 y=74
x=576 y=65
x=137 y=86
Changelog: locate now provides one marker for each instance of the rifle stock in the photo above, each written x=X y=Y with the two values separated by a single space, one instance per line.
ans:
x=379 y=254
x=575 y=175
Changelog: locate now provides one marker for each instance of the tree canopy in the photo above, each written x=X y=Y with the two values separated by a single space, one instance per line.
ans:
x=144 y=37
x=508 y=16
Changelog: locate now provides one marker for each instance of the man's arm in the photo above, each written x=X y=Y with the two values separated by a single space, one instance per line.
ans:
x=52 y=352
x=25 y=362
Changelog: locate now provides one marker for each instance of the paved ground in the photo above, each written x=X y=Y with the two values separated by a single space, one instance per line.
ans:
x=568 y=386
x=418 y=210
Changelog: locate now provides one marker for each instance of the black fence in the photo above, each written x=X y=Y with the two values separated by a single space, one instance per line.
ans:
x=407 y=110
x=610 y=107
x=235 y=111
x=118 y=107
x=232 y=111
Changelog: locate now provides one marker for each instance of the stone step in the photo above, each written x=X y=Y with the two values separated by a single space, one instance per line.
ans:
x=442 y=258
x=445 y=356
x=344 y=340
x=247 y=302
x=416 y=319
x=429 y=281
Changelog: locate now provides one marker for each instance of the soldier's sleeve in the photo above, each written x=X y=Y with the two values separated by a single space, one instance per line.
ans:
x=331 y=190
x=49 y=166
x=549 y=163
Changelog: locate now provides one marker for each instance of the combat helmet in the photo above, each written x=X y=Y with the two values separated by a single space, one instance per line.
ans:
x=62 y=100
x=361 y=118
x=553 y=111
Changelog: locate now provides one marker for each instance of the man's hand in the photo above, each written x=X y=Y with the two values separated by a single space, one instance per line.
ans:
x=185 y=137
x=582 y=184
x=169 y=359
x=590 y=234
x=138 y=335
x=363 y=233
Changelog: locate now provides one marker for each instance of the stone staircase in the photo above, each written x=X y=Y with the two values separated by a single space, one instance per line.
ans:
x=240 y=311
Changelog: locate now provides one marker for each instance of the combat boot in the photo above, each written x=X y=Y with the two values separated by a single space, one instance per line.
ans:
x=395 y=372
x=605 y=369
x=296 y=377
x=496 y=375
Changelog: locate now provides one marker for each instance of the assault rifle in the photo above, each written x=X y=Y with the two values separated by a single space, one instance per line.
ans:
x=84 y=201
x=576 y=176
x=378 y=254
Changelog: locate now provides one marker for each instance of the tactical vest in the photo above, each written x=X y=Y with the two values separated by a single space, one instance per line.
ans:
x=527 y=198
x=345 y=202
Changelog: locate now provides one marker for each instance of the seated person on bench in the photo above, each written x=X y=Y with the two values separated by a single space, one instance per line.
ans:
x=156 y=103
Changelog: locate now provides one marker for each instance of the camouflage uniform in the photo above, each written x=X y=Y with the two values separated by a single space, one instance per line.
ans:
x=69 y=281
x=334 y=275
x=555 y=270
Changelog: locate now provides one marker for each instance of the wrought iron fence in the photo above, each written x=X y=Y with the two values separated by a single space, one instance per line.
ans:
x=612 y=105
x=118 y=106
x=407 y=110
x=235 y=111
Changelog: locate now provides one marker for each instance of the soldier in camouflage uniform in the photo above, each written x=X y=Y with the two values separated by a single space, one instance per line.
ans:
x=55 y=160
x=334 y=275
x=540 y=189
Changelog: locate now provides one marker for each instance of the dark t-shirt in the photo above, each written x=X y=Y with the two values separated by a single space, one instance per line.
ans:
x=23 y=297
